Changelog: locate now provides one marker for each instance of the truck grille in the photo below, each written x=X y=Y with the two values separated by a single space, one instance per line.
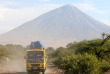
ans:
x=35 y=65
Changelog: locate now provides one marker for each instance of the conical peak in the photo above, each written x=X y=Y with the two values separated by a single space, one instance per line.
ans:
x=57 y=27
x=68 y=6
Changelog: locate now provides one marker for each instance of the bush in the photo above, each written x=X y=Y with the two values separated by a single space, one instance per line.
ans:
x=105 y=66
x=4 y=52
x=50 y=52
x=79 y=64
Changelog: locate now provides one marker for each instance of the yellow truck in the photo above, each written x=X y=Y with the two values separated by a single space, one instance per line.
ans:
x=35 y=60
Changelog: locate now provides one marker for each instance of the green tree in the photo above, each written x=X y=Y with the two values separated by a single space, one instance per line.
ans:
x=16 y=51
x=98 y=47
x=4 y=52
x=50 y=52
x=103 y=35
x=60 y=51
x=79 y=64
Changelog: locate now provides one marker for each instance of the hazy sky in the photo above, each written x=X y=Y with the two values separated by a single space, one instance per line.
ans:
x=14 y=13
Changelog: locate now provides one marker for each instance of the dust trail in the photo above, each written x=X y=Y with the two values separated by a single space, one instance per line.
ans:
x=17 y=65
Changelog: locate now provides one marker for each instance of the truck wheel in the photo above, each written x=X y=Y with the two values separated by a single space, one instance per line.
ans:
x=29 y=72
x=43 y=72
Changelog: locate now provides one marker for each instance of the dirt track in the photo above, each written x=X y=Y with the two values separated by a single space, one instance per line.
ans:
x=18 y=67
x=50 y=70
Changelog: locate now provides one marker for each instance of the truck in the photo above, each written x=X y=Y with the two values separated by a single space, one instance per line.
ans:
x=36 y=58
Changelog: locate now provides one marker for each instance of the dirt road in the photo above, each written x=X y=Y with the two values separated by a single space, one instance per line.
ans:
x=19 y=67
x=50 y=70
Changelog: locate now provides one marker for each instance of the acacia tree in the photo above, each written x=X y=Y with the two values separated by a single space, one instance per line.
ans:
x=98 y=47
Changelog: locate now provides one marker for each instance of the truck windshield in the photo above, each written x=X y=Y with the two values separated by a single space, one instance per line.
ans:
x=35 y=57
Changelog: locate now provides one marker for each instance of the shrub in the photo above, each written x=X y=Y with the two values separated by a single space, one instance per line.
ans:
x=79 y=64
x=105 y=66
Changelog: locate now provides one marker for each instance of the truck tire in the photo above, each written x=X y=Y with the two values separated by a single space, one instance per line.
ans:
x=43 y=72
x=29 y=72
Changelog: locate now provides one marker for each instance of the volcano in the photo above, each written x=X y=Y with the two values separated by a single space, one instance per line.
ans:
x=57 y=28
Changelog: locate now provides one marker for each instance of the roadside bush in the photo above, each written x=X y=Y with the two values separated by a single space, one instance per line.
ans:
x=105 y=66
x=4 y=52
x=50 y=52
x=79 y=64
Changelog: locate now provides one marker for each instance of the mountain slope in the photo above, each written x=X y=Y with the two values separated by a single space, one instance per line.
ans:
x=57 y=28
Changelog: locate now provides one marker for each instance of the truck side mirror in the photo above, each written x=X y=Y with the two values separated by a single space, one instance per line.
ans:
x=45 y=56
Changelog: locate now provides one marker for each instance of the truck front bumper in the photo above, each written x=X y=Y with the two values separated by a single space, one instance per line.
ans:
x=35 y=68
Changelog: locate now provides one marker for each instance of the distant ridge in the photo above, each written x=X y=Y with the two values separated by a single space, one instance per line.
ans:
x=56 y=28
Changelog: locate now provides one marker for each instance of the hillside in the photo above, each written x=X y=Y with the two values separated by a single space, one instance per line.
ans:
x=56 y=28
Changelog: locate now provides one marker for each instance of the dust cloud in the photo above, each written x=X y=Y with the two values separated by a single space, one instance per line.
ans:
x=15 y=65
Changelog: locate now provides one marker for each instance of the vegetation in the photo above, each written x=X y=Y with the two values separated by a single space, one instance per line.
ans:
x=4 y=52
x=98 y=47
x=50 y=52
x=11 y=52
x=16 y=51
x=85 y=57
x=80 y=64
